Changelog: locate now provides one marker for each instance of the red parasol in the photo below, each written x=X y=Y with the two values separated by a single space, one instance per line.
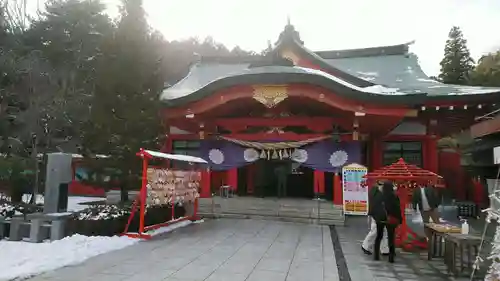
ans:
x=405 y=176
x=402 y=171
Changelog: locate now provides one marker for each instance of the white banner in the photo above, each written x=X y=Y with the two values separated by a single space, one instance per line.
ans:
x=496 y=155
x=355 y=195
x=492 y=185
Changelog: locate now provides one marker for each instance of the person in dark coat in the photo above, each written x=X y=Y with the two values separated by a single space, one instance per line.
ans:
x=369 y=242
x=386 y=211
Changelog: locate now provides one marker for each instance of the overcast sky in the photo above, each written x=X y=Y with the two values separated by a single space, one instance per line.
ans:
x=332 y=24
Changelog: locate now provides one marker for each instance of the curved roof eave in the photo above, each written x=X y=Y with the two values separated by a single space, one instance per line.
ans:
x=286 y=75
x=399 y=49
x=486 y=96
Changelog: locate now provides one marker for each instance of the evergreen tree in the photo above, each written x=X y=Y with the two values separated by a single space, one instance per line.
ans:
x=457 y=62
x=125 y=112
x=487 y=71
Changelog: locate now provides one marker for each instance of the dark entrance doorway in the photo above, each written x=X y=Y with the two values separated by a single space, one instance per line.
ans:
x=299 y=183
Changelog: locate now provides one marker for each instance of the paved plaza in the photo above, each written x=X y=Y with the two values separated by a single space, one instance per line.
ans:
x=409 y=266
x=239 y=250
x=220 y=250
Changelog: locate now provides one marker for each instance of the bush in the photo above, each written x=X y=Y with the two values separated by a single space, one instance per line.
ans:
x=8 y=209
x=110 y=220
x=99 y=220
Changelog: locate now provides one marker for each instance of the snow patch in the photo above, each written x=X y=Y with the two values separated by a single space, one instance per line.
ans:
x=169 y=228
x=379 y=89
x=479 y=91
x=29 y=259
x=375 y=89
x=75 y=203
x=367 y=78
x=8 y=211
x=427 y=80
x=368 y=73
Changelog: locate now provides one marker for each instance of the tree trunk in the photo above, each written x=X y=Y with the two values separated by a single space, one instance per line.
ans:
x=34 y=190
x=16 y=195
x=123 y=193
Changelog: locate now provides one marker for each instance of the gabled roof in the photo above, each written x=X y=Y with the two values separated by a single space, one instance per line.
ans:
x=388 y=74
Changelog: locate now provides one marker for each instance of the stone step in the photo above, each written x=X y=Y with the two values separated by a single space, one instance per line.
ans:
x=296 y=210
x=286 y=219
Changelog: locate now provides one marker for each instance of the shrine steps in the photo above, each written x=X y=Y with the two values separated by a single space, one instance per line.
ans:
x=291 y=210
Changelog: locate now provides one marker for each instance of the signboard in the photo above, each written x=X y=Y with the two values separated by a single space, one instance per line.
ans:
x=166 y=186
x=496 y=155
x=355 y=195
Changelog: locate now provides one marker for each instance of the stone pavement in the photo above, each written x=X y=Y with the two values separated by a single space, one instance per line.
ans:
x=248 y=250
x=408 y=266
x=217 y=250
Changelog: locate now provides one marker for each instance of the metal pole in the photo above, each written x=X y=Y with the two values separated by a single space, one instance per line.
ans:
x=35 y=157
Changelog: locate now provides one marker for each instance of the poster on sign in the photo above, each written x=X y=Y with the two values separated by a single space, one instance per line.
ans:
x=355 y=193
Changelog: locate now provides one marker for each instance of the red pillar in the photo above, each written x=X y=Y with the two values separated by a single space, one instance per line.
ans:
x=432 y=154
x=319 y=182
x=250 y=178
x=337 y=190
x=205 y=183
x=376 y=154
x=167 y=148
x=232 y=179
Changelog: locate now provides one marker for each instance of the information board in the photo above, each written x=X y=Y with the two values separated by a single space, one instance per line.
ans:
x=355 y=194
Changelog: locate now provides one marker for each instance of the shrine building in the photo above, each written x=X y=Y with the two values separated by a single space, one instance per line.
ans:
x=312 y=112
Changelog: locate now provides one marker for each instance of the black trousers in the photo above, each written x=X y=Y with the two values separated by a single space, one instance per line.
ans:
x=391 y=229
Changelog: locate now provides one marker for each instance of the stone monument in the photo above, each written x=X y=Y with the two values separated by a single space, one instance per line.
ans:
x=58 y=173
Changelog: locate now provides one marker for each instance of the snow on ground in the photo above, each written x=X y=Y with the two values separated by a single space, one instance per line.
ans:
x=74 y=202
x=199 y=221
x=169 y=228
x=29 y=259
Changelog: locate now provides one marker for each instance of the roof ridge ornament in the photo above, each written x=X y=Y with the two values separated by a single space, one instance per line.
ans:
x=289 y=34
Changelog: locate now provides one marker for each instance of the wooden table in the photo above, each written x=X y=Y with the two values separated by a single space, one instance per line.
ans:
x=435 y=244
x=467 y=243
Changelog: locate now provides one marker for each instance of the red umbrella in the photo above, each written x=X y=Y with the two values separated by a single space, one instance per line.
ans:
x=405 y=176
